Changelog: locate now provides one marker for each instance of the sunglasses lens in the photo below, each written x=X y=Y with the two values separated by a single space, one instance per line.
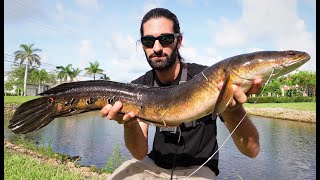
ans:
x=166 y=39
x=148 y=41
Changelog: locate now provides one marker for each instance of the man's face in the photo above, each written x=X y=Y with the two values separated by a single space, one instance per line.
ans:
x=160 y=57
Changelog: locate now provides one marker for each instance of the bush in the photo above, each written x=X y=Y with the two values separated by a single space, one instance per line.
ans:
x=114 y=161
x=281 y=99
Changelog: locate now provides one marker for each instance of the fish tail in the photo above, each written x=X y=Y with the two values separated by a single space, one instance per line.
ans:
x=32 y=115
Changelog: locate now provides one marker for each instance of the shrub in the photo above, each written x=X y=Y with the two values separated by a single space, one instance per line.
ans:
x=281 y=99
x=114 y=161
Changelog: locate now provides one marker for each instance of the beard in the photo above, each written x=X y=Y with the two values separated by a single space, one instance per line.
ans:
x=163 y=65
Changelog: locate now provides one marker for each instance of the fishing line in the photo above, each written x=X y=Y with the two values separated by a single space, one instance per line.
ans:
x=175 y=155
x=232 y=130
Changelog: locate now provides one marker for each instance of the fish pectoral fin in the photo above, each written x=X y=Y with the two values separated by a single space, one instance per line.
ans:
x=225 y=96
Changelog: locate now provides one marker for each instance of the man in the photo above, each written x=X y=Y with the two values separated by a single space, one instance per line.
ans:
x=177 y=152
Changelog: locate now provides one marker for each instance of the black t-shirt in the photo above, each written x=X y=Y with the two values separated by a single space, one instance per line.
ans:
x=198 y=139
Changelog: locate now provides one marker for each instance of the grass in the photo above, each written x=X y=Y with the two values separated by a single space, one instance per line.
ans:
x=43 y=150
x=17 y=99
x=305 y=106
x=20 y=166
x=114 y=161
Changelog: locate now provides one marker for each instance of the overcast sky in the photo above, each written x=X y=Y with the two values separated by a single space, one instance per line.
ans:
x=81 y=31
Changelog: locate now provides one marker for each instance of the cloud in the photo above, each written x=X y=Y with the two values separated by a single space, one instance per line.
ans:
x=126 y=60
x=85 y=53
x=269 y=21
x=20 y=11
x=69 y=17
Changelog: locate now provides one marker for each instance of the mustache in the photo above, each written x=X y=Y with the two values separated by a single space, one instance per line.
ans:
x=158 y=55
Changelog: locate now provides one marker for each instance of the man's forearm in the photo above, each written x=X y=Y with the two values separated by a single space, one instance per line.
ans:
x=246 y=136
x=136 y=141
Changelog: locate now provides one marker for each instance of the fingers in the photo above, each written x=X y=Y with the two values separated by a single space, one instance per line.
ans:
x=238 y=95
x=256 y=86
x=128 y=116
x=112 y=113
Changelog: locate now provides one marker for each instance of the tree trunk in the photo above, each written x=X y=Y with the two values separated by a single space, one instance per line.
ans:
x=25 y=80
x=39 y=88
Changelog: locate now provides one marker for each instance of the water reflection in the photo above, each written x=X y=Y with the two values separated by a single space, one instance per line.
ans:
x=288 y=149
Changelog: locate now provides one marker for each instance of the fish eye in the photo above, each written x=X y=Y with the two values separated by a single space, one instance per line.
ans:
x=291 y=53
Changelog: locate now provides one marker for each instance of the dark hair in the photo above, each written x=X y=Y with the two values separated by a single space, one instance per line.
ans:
x=162 y=12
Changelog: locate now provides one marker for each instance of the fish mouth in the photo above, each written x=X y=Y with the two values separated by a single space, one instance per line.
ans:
x=302 y=58
x=291 y=65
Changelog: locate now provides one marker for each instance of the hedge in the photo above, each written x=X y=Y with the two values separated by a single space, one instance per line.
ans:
x=281 y=99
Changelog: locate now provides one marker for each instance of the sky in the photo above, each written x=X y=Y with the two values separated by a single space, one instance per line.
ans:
x=81 y=31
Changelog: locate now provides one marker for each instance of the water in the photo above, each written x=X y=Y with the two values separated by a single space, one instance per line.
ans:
x=288 y=149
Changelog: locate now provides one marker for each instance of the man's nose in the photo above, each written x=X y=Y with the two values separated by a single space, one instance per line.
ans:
x=157 y=47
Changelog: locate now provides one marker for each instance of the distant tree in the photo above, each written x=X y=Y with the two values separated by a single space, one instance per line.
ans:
x=93 y=69
x=67 y=71
x=27 y=53
x=273 y=86
x=304 y=80
x=64 y=72
x=8 y=87
x=39 y=76
x=74 y=73
x=104 y=77
x=16 y=77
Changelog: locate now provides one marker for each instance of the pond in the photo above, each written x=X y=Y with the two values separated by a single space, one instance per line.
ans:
x=288 y=148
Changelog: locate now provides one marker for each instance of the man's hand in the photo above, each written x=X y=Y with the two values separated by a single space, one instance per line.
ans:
x=111 y=112
x=240 y=97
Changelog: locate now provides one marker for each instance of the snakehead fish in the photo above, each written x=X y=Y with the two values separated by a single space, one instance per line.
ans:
x=161 y=106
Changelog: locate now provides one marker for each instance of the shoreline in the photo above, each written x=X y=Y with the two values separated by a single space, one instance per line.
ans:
x=284 y=114
x=277 y=113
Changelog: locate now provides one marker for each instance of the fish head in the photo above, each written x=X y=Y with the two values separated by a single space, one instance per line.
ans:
x=265 y=65
x=288 y=61
x=272 y=63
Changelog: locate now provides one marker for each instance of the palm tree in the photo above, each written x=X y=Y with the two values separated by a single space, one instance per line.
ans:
x=39 y=76
x=104 y=77
x=74 y=73
x=93 y=69
x=64 y=72
x=28 y=53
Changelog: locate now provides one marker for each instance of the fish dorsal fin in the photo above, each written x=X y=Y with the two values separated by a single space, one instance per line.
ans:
x=225 y=96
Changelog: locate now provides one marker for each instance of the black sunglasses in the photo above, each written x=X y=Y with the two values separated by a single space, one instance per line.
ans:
x=164 y=39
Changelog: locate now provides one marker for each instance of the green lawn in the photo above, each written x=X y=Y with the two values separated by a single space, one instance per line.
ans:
x=305 y=106
x=17 y=99
x=19 y=166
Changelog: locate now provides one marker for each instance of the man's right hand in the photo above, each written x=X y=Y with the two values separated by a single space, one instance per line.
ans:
x=112 y=113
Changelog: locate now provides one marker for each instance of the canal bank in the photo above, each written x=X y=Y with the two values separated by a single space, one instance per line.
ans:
x=284 y=114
